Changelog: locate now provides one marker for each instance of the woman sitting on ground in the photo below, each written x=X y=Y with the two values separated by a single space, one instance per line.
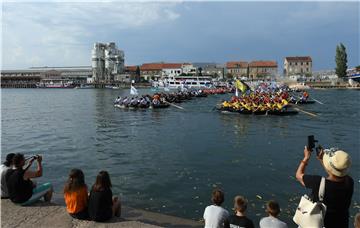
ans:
x=239 y=219
x=76 y=195
x=20 y=187
x=102 y=205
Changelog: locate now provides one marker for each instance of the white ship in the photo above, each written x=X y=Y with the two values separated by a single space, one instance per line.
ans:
x=174 y=82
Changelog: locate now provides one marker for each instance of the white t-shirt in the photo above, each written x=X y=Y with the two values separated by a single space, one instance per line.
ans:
x=272 y=222
x=215 y=216
x=4 y=190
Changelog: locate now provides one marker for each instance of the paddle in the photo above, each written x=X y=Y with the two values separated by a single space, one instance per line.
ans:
x=306 y=112
x=317 y=101
x=309 y=113
x=176 y=106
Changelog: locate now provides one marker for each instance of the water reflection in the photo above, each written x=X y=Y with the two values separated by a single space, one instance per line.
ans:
x=171 y=157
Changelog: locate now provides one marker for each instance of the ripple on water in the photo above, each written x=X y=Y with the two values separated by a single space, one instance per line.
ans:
x=172 y=157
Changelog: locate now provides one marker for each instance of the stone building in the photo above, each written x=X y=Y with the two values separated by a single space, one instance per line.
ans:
x=262 y=69
x=298 y=65
x=237 y=69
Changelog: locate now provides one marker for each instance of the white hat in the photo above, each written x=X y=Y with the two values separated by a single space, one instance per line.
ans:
x=337 y=162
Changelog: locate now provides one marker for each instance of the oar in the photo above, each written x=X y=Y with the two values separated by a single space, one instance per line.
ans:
x=317 y=101
x=176 y=106
x=300 y=110
x=309 y=113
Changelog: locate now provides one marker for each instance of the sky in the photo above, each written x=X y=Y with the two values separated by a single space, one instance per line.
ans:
x=63 y=34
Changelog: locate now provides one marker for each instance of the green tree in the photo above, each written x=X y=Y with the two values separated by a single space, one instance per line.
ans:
x=341 y=60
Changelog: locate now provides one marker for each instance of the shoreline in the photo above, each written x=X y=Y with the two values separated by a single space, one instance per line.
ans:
x=43 y=214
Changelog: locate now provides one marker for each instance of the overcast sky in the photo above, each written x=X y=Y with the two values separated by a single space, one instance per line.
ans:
x=62 y=34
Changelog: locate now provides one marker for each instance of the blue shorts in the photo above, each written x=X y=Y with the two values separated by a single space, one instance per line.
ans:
x=38 y=192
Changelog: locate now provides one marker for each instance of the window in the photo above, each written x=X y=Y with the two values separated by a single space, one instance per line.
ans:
x=301 y=63
x=307 y=63
x=295 y=64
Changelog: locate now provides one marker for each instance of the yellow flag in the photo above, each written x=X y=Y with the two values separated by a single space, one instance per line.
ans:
x=239 y=85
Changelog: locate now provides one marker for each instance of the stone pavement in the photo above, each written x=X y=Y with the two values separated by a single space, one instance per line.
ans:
x=44 y=214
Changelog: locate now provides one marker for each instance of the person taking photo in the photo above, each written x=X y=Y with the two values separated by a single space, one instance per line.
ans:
x=22 y=190
x=339 y=186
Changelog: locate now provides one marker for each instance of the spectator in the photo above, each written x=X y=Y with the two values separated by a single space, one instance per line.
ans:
x=102 y=205
x=8 y=164
x=339 y=186
x=20 y=188
x=214 y=215
x=76 y=195
x=239 y=220
x=273 y=210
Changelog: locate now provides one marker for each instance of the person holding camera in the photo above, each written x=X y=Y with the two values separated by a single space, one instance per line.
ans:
x=20 y=187
x=339 y=186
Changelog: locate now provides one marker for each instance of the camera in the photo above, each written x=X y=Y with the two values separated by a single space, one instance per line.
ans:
x=311 y=145
x=311 y=142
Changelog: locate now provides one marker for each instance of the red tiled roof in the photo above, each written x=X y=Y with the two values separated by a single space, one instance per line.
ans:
x=299 y=58
x=236 y=65
x=130 y=68
x=159 y=66
x=263 y=64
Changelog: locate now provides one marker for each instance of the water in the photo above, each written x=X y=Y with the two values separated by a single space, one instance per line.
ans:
x=169 y=160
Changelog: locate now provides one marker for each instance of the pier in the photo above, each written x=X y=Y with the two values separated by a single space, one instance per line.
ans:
x=44 y=214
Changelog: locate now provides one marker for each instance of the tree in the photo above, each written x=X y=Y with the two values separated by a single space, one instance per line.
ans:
x=341 y=60
x=137 y=74
x=200 y=71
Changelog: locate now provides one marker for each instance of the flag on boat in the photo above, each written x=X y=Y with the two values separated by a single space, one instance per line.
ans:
x=133 y=90
x=242 y=86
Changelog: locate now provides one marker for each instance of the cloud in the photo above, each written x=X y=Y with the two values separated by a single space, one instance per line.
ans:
x=63 y=33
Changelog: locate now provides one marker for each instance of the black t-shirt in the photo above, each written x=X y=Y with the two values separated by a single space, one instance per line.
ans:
x=240 y=222
x=20 y=190
x=337 y=199
x=100 y=205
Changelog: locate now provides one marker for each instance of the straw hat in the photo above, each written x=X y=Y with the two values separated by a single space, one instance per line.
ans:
x=337 y=162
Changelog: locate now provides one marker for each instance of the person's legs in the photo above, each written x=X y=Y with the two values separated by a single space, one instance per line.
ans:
x=48 y=195
x=44 y=190
x=116 y=207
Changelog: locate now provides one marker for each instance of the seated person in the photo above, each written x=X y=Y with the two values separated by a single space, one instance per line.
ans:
x=239 y=219
x=102 y=205
x=76 y=195
x=20 y=188
x=215 y=215
x=273 y=210
x=8 y=164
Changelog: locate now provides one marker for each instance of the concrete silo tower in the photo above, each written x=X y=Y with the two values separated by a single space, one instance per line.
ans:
x=107 y=61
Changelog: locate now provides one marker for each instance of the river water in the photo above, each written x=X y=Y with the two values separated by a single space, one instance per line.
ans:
x=169 y=160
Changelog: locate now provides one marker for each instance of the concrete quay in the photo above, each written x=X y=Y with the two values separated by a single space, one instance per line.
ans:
x=44 y=214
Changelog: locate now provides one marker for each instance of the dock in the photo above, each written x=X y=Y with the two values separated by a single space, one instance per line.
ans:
x=44 y=214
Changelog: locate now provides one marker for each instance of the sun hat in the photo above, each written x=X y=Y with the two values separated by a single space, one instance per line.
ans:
x=337 y=162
